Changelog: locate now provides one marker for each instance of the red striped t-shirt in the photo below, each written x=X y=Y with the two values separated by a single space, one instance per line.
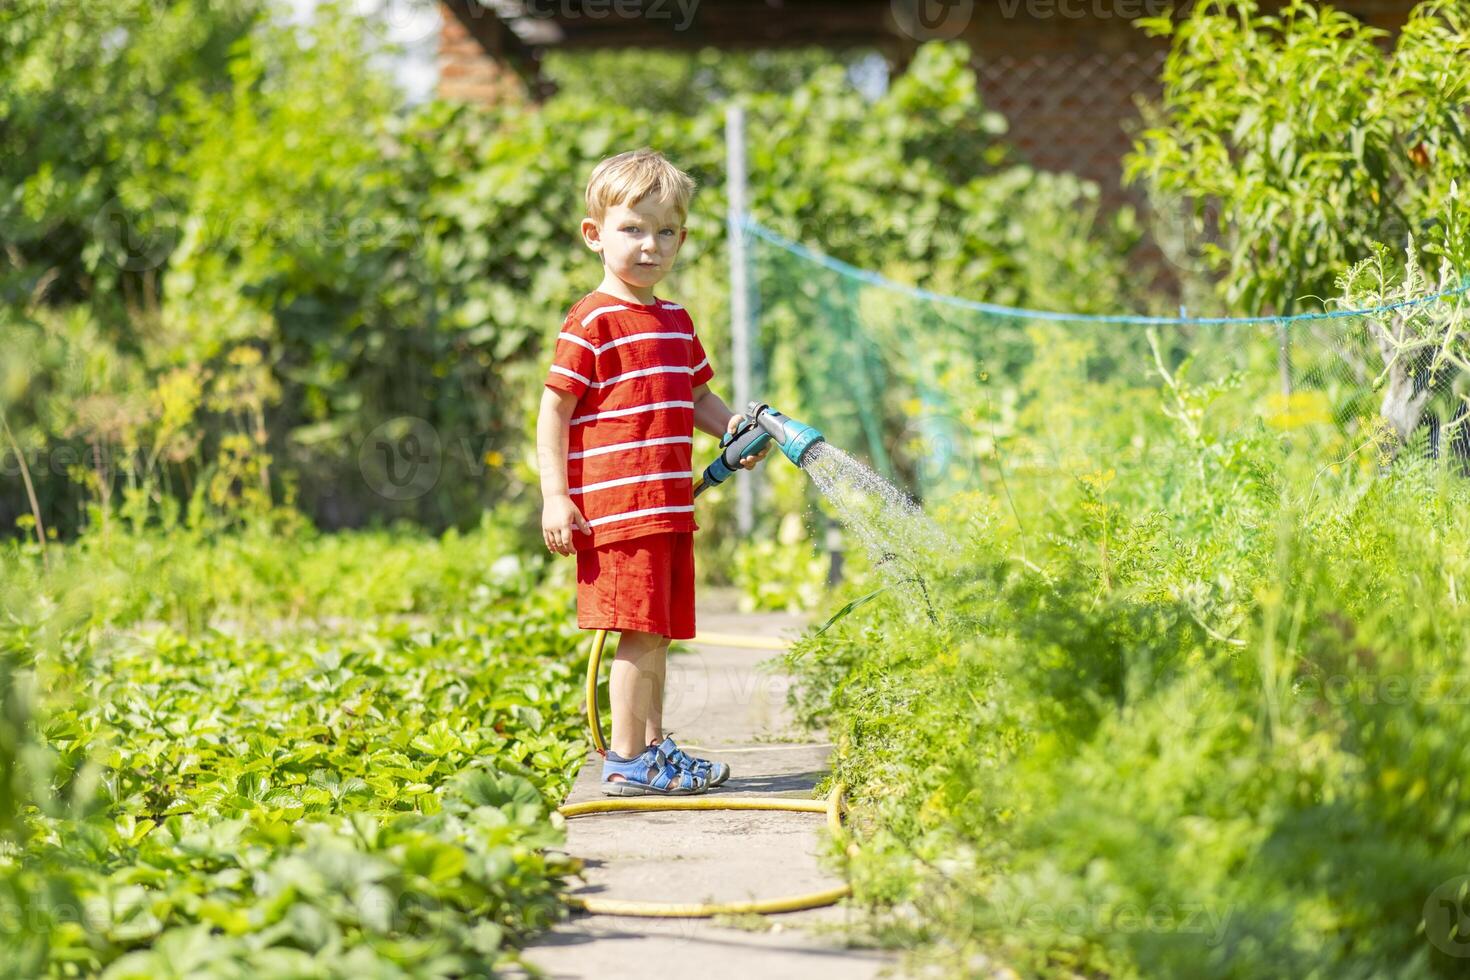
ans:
x=633 y=368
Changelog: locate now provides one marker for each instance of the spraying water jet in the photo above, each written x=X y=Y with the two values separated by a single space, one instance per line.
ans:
x=892 y=528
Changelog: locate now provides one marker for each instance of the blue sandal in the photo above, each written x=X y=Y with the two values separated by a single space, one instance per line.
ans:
x=713 y=773
x=649 y=774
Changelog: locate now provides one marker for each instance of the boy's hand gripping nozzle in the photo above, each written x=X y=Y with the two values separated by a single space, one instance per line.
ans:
x=760 y=425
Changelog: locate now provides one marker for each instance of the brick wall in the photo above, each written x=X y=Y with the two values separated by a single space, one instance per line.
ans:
x=1071 y=112
x=1068 y=85
x=467 y=73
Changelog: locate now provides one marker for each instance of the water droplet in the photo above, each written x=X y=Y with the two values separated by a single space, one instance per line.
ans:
x=895 y=533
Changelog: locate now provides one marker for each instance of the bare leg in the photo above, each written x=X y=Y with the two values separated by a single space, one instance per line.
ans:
x=653 y=731
x=636 y=690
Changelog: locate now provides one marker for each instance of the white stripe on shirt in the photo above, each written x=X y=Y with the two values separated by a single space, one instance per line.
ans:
x=614 y=413
x=645 y=372
x=599 y=311
x=557 y=368
x=603 y=450
x=623 y=481
x=695 y=369
x=563 y=335
x=600 y=348
x=680 y=335
x=630 y=514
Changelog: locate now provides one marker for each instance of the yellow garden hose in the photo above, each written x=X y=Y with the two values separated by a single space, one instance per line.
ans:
x=832 y=807
x=594 y=665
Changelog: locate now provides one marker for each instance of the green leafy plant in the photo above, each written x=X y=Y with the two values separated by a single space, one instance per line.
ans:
x=366 y=781
x=1292 y=140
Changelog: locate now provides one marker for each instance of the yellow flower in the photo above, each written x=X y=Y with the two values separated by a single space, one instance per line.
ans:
x=1299 y=409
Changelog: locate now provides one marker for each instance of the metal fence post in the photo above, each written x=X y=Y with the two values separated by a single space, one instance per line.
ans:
x=740 y=325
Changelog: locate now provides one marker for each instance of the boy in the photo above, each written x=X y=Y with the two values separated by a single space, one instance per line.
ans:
x=614 y=440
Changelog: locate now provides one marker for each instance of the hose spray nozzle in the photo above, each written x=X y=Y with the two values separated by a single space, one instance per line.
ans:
x=760 y=424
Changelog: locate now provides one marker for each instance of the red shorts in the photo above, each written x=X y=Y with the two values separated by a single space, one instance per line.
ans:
x=644 y=583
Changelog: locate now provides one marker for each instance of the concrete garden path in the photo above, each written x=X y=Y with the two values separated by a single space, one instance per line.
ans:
x=715 y=698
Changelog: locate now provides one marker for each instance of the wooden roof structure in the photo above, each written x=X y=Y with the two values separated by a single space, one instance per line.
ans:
x=517 y=29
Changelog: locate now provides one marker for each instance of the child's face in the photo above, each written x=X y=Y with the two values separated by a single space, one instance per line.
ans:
x=638 y=243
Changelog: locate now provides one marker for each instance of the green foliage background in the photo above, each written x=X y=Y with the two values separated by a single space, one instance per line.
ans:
x=271 y=194
x=307 y=755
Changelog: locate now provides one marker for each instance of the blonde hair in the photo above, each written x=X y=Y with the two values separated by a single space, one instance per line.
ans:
x=631 y=176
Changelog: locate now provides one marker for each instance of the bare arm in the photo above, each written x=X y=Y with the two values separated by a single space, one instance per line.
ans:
x=559 y=515
x=553 y=423
x=712 y=415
